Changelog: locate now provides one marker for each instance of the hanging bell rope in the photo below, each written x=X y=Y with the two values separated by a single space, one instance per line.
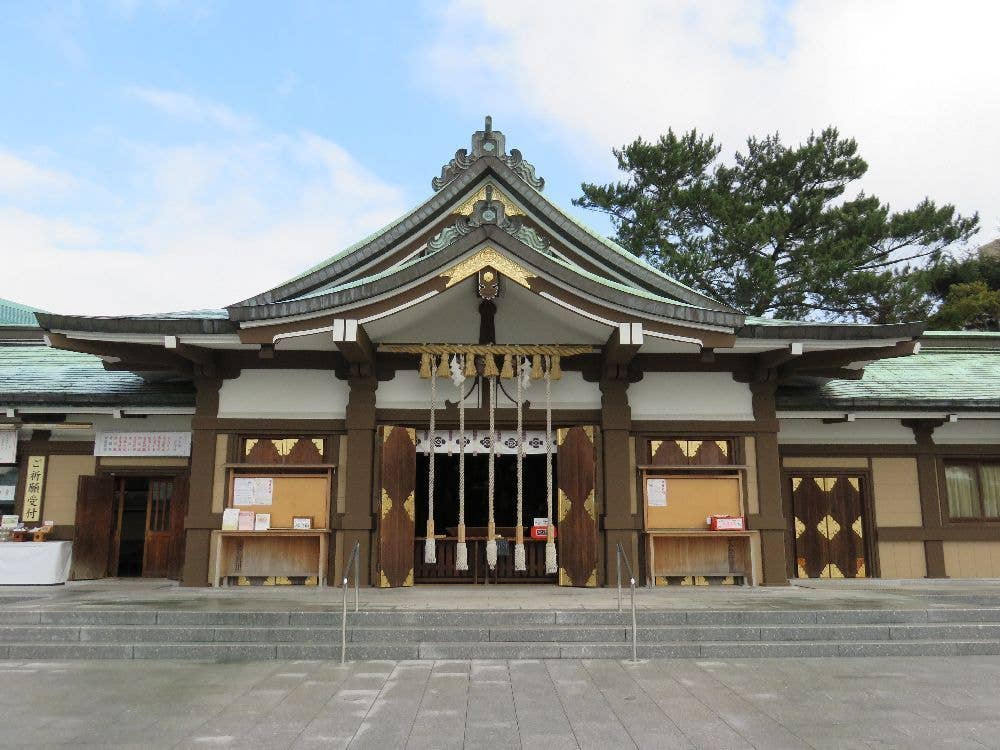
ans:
x=461 y=550
x=430 y=546
x=519 y=558
x=491 y=529
x=551 y=564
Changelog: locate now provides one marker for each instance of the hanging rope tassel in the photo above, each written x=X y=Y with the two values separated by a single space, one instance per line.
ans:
x=507 y=371
x=491 y=529
x=470 y=365
x=461 y=550
x=536 y=367
x=520 y=565
x=555 y=368
x=430 y=544
x=490 y=370
x=551 y=563
x=425 y=366
x=444 y=371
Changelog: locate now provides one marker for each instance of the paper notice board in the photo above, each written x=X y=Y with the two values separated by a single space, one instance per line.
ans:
x=284 y=497
x=656 y=492
x=253 y=491
x=684 y=502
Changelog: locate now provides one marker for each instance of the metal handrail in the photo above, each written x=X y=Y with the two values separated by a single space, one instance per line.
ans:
x=619 y=556
x=353 y=561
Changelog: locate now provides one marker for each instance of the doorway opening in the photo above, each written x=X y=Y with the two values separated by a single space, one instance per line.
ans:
x=446 y=478
x=148 y=528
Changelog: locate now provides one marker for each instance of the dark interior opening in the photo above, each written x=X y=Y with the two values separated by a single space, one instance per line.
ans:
x=132 y=526
x=476 y=491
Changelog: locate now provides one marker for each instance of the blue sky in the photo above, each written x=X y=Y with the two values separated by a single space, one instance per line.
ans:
x=139 y=138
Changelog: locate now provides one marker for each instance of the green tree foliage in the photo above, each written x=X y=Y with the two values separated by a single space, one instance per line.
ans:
x=772 y=233
x=969 y=290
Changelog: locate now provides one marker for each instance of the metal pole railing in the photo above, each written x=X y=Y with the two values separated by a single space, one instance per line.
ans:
x=353 y=560
x=619 y=556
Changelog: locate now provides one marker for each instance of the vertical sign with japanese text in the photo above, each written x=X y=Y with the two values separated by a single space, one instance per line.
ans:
x=34 y=486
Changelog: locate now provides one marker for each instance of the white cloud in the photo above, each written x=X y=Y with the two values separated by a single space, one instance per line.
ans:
x=914 y=82
x=20 y=177
x=189 y=108
x=196 y=226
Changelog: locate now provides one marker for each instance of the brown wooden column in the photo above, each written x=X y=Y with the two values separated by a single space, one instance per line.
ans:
x=356 y=523
x=770 y=521
x=930 y=497
x=621 y=525
x=200 y=520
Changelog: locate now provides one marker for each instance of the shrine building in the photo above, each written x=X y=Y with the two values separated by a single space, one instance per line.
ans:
x=487 y=391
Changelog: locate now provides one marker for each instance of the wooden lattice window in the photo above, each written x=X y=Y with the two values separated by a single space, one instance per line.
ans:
x=692 y=452
x=160 y=496
x=293 y=451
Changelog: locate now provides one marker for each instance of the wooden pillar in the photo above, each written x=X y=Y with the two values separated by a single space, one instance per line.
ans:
x=621 y=524
x=200 y=520
x=770 y=520
x=356 y=524
x=930 y=497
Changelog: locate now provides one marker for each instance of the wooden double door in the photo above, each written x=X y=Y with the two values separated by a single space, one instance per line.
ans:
x=830 y=525
x=575 y=508
x=130 y=526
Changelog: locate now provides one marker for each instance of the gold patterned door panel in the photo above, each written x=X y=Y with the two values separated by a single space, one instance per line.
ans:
x=828 y=526
x=576 y=512
x=396 y=511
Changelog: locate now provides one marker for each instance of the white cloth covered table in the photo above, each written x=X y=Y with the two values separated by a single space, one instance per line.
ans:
x=35 y=563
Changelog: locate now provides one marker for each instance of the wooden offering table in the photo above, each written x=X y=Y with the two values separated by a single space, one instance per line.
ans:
x=273 y=553
x=698 y=552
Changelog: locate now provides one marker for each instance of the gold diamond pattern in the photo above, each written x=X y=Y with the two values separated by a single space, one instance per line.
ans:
x=723 y=447
x=408 y=506
x=858 y=528
x=828 y=527
x=800 y=528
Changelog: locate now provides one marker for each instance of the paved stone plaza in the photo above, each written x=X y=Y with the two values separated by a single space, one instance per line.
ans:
x=773 y=703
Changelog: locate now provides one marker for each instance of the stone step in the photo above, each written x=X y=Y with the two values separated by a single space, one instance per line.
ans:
x=492 y=650
x=494 y=618
x=370 y=634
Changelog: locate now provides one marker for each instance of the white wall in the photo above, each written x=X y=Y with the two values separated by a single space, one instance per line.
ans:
x=861 y=431
x=970 y=431
x=409 y=391
x=107 y=423
x=690 y=395
x=284 y=394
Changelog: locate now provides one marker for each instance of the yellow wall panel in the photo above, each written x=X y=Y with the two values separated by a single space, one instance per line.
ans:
x=897 y=492
x=902 y=560
x=972 y=559
x=750 y=448
x=59 y=503
x=219 y=477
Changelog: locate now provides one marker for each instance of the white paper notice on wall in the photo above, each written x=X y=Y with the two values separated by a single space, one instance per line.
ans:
x=8 y=446
x=253 y=491
x=656 y=492
x=142 y=444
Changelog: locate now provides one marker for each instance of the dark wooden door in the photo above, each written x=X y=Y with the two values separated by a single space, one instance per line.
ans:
x=93 y=527
x=829 y=526
x=163 y=554
x=576 y=531
x=396 y=513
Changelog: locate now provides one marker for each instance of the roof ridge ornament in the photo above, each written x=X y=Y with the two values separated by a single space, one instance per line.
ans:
x=489 y=211
x=488 y=142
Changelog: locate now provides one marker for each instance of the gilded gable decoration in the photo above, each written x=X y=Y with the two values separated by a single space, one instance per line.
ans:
x=488 y=210
x=488 y=257
x=488 y=142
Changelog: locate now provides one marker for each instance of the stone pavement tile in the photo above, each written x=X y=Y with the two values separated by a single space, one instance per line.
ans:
x=388 y=721
x=441 y=718
x=642 y=718
x=594 y=723
x=491 y=720
x=701 y=725
x=541 y=720
x=338 y=720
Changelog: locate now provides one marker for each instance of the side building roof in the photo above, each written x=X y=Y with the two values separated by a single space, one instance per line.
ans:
x=953 y=371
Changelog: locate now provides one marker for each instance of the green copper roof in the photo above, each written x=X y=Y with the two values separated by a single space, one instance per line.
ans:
x=15 y=314
x=950 y=373
x=37 y=375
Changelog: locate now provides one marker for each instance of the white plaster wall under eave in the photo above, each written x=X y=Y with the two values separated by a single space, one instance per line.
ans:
x=968 y=432
x=409 y=391
x=690 y=396
x=858 y=432
x=284 y=394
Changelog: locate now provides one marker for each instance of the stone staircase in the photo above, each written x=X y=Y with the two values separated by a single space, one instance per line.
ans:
x=497 y=634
